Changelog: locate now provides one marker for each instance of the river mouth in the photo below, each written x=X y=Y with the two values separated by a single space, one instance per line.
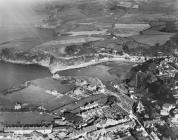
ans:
x=16 y=74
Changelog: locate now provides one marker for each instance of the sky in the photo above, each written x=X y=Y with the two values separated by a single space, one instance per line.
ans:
x=18 y=19
x=7 y=2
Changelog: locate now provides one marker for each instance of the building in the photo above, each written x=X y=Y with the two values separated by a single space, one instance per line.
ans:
x=148 y=124
x=17 y=106
x=91 y=113
x=166 y=109
x=54 y=93
x=121 y=88
x=37 y=135
x=111 y=122
x=154 y=135
x=121 y=127
x=60 y=121
x=126 y=103
x=89 y=106
x=78 y=91
x=127 y=138
x=91 y=87
x=83 y=132
x=56 y=76
x=6 y=136
x=62 y=128
x=174 y=120
x=28 y=130
x=140 y=107
x=131 y=90
x=80 y=82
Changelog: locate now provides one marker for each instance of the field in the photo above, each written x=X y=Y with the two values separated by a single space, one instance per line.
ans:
x=36 y=94
x=106 y=71
x=49 y=84
x=119 y=70
x=99 y=71
x=152 y=39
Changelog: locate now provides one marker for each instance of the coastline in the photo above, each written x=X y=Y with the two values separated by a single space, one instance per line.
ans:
x=58 y=66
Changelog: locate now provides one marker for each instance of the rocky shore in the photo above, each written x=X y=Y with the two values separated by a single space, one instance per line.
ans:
x=58 y=64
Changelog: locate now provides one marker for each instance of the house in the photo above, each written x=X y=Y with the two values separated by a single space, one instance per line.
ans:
x=140 y=107
x=101 y=90
x=131 y=90
x=127 y=138
x=60 y=128
x=90 y=113
x=91 y=87
x=83 y=132
x=17 y=106
x=27 y=136
x=154 y=135
x=80 y=82
x=166 y=109
x=37 y=135
x=122 y=127
x=111 y=122
x=59 y=121
x=56 y=76
x=6 y=136
x=60 y=135
x=174 y=120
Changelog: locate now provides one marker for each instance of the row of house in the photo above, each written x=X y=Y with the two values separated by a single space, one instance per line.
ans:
x=94 y=128
x=25 y=133
x=28 y=130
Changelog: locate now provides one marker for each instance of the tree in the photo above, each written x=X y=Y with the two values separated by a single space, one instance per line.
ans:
x=111 y=100
x=126 y=49
x=71 y=49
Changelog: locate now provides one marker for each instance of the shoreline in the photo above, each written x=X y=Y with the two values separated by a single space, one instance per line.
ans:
x=58 y=67
x=86 y=64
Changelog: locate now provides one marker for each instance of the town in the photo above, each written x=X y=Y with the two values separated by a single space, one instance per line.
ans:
x=89 y=70
x=99 y=111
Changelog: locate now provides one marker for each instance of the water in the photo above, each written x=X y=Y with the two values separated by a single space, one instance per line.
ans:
x=17 y=21
x=14 y=74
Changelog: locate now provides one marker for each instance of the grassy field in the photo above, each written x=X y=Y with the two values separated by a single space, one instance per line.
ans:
x=37 y=95
x=152 y=39
x=119 y=70
x=21 y=44
x=99 y=71
x=106 y=71
x=52 y=84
